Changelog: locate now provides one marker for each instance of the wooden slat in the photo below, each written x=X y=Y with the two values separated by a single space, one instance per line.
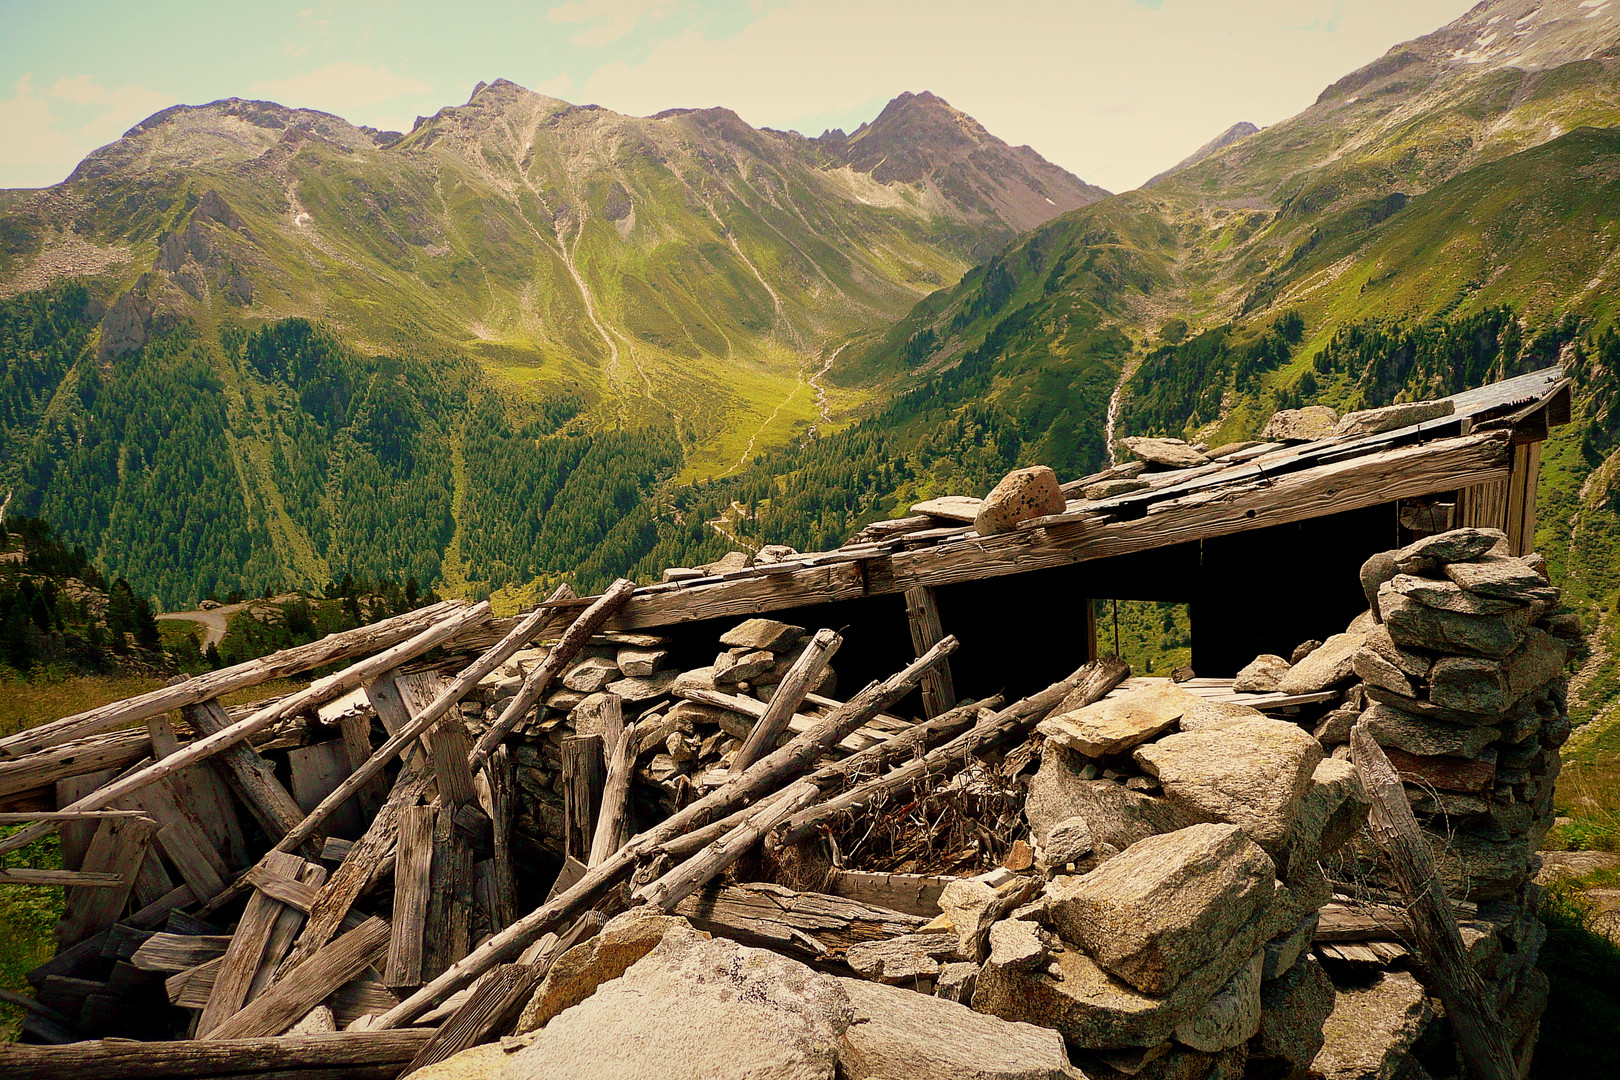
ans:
x=285 y=931
x=913 y=894
x=448 y=743
x=1370 y=480
x=584 y=772
x=246 y=954
x=922 y=615
x=291 y=997
x=498 y=786
x=316 y=771
x=42 y=770
x=356 y=728
x=339 y=1054
x=22 y=875
x=178 y=952
x=118 y=847
x=388 y=699
x=413 y=869
x=294 y=892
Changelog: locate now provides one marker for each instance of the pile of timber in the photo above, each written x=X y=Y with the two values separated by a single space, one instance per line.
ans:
x=324 y=878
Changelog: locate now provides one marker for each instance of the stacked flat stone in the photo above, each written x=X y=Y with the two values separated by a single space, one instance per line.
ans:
x=1465 y=681
x=1181 y=840
x=679 y=740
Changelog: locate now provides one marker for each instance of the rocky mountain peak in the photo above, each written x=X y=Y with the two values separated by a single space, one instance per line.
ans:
x=1237 y=131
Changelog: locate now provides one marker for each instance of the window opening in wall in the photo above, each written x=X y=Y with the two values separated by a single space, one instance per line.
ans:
x=1153 y=636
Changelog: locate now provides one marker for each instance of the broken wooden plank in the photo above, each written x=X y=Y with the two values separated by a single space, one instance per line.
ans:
x=413 y=868
x=43 y=769
x=291 y=996
x=22 y=875
x=312 y=695
x=922 y=616
x=494 y=1004
x=913 y=894
x=447 y=740
x=294 y=892
x=498 y=785
x=328 y=650
x=76 y=832
x=802 y=924
x=338 y=1053
x=447 y=930
x=362 y=865
x=315 y=772
x=785 y=701
x=288 y=922
x=201 y=793
x=356 y=728
x=613 y=825
x=118 y=847
x=246 y=952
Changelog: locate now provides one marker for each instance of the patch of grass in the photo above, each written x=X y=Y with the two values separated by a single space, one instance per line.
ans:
x=28 y=914
x=1583 y=966
x=26 y=703
x=1588 y=806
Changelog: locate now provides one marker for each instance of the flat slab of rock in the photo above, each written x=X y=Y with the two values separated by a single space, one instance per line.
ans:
x=902 y=960
x=1373 y=1028
x=762 y=634
x=897 y=1034
x=1330 y=664
x=1416 y=626
x=1022 y=494
x=1424 y=737
x=1110 y=489
x=692 y=1009
x=1300 y=425
x=1449 y=596
x=1173 y=453
x=1116 y=724
x=1503 y=578
x=1391 y=417
x=1251 y=773
x=1148 y=914
x=1458 y=545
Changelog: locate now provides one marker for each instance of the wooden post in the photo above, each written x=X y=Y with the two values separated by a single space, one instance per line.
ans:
x=1479 y=1032
x=446 y=936
x=922 y=612
x=789 y=695
x=413 y=868
x=584 y=775
x=448 y=742
x=497 y=776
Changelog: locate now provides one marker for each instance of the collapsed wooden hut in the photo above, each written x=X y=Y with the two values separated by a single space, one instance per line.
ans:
x=375 y=871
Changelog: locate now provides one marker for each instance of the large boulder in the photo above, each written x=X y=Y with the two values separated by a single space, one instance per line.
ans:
x=692 y=1009
x=1148 y=914
x=1329 y=665
x=1022 y=494
x=1251 y=773
x=1334 y=807
x=1114 y=814
x=1116 y=724
x=896 y=1034
x=577 y=973
x=1300 y=425
x=1370 y=1033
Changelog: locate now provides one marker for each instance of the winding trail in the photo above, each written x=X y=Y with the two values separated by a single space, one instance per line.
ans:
x=821 y=391
x=214 y=621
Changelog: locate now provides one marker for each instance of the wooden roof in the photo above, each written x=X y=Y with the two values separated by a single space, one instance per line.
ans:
x=1269 y=484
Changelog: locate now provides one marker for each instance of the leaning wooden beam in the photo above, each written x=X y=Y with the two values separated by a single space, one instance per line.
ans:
x=766 y=776
x=613 y=823
x=251 y=776
x=118 y=847
x=291 y=997
x=54 y=764
x=69 y=815
x=329 y=650
x=1481 y=1037
x=125 y=1059
x=696 y=872
x=1369 y=480
x=317 y=692
x=789 y=695
x=560 y=656
x=498 y=995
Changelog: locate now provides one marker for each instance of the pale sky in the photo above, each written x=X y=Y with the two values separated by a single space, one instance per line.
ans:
x=1112 y=90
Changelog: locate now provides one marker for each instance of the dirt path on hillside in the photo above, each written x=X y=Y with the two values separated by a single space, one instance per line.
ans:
x=214 y=623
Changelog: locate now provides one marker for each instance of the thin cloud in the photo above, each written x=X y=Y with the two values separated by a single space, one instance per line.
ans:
x=606 y=21
x=46 y=132
x=340 y=87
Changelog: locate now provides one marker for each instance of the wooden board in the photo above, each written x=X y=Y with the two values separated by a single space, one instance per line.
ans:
x=922 y=616
x=76 y=834
x=246 y=953
x=413 y=868
x=291 y=997
x=316 y=772
x=118 y=847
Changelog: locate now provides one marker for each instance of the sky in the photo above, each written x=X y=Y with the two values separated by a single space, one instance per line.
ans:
x=1112 y=90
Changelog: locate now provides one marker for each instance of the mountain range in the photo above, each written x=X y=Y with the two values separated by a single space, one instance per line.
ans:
x=248 y=344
